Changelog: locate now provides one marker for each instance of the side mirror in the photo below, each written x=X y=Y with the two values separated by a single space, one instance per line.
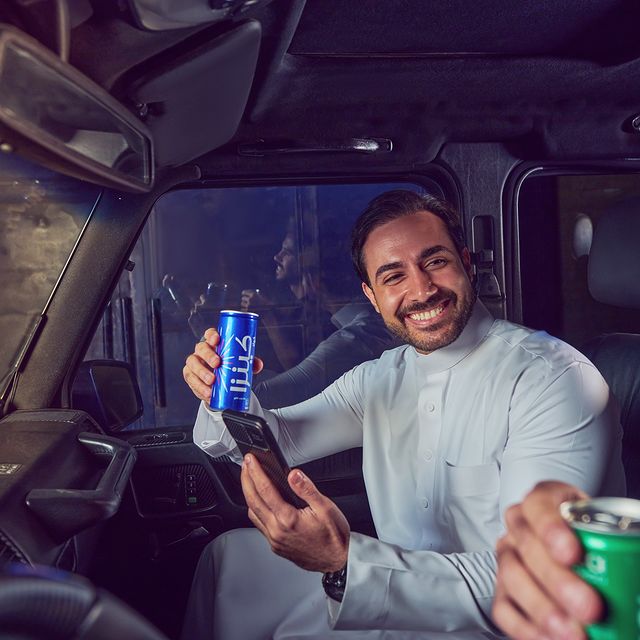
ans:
x=108 y=391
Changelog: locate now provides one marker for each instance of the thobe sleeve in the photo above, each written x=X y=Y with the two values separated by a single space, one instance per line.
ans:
x=325 y=424
x=568 y=431
x=392 y=588
x=341 y=351
x=564 y=428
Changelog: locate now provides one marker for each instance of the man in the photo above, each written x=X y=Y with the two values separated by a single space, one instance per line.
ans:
x=455 y=426
x=346 y=337
x=297 y=271
x=537 y=594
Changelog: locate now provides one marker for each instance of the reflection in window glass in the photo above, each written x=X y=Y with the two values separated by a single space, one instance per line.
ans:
x=282 y=252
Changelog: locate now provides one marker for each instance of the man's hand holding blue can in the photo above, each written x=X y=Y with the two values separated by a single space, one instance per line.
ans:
x=200 y=366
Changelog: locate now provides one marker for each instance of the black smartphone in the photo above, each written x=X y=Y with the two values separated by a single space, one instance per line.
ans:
x=252 y=435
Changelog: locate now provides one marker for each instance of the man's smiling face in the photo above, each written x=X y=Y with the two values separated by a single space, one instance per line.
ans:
x=419 y=282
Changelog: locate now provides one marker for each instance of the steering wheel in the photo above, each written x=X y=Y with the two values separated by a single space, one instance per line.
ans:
x=47 y=604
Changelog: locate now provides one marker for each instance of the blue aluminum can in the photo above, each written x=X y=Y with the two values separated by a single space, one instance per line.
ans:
x=237 y=346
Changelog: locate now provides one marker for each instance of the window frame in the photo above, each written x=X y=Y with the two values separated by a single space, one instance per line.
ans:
x=434 y=178
x=511 y=221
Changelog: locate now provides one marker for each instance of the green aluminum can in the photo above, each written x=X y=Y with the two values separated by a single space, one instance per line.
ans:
x=609 y=529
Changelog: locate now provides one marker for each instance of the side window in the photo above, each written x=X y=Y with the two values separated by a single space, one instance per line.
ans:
x=42 y=214
x=280 y=251
x=556 y=217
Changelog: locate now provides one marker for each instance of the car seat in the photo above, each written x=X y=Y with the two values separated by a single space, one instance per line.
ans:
x=614 y=278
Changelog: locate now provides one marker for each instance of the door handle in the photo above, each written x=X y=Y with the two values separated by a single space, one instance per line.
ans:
x=66 y=512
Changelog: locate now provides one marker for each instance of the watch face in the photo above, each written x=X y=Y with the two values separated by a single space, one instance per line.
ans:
x=334 y=583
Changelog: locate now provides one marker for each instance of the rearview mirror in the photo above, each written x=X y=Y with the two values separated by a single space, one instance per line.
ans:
x=108 y=391
x=55 y=115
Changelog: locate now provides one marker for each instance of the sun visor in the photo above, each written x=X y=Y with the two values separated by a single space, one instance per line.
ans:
x=195 y=104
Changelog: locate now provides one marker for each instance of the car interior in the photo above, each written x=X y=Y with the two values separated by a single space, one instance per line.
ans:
x=164 y=161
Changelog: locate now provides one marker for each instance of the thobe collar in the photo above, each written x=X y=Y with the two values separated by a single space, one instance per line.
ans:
x=472 y=335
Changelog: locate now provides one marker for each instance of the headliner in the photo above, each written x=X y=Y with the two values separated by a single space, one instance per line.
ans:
x=553 y=80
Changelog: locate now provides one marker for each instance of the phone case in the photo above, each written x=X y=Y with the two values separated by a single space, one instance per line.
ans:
x=253 y=435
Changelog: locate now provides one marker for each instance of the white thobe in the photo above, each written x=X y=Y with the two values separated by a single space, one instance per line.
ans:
x=450 y=439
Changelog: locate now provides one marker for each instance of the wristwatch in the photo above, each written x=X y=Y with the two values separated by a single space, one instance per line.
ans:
x=334 y=583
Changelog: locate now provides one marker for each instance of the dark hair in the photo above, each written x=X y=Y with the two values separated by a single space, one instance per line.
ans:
x=398 y=203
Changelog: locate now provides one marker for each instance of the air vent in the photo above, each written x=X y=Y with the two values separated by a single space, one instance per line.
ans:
x=225 y=459
x=156 y=439
x=10 y=553
x=173 y=489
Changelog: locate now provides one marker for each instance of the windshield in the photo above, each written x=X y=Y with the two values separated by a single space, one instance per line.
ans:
x=41 y=215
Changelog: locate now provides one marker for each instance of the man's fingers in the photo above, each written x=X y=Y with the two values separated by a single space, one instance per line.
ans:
x=198 y=377
x=533 y=601
x=207 y=354
x=201 y=390
x=511 y=620
x=259 y=492
x=198 y=371
x=196 y=366
x=211 y=337
x=304 y=488
x=262 y=484
x=541 y=510
x=252 y=496
x=577 y=598
x=513 y=623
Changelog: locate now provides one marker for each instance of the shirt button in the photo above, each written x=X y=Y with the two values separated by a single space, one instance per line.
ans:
x=425 y=503
x=428 y=454
x=431 y=407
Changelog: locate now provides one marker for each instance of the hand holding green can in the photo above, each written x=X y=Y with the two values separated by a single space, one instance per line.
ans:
x=609 y=530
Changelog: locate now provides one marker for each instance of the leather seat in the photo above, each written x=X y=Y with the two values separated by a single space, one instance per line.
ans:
x=614 y=278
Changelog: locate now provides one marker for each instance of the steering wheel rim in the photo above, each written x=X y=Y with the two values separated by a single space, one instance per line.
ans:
x=47 y=604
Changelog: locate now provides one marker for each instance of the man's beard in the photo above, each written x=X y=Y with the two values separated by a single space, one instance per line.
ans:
x=431 y=338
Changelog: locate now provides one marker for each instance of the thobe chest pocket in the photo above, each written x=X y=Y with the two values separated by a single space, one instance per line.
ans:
x=472 y=481
x=471 y=504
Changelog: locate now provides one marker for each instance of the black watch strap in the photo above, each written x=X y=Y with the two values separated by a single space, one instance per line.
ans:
x=334 y=583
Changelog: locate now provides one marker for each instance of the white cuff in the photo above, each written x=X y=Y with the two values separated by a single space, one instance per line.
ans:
x=212 y=436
